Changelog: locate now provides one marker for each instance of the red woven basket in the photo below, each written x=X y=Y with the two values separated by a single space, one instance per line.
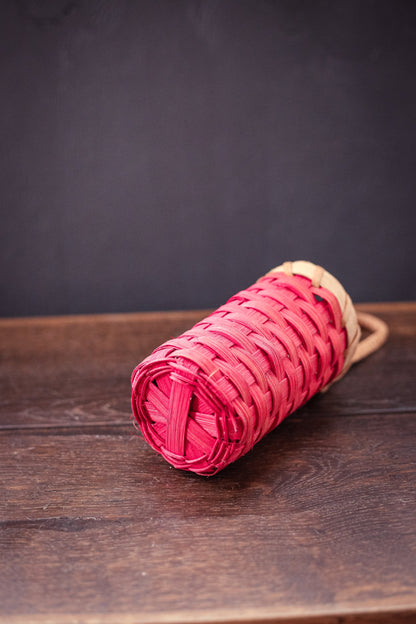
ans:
x=203 y=400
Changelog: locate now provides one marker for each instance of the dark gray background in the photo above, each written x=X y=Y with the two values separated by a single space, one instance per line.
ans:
x=161 y=155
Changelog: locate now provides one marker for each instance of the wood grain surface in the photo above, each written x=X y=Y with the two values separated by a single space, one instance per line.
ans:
x=317 y=524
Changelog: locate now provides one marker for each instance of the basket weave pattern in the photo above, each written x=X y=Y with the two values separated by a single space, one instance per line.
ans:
x=204 y=399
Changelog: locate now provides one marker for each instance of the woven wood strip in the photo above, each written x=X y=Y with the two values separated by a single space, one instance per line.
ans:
x=204 y=399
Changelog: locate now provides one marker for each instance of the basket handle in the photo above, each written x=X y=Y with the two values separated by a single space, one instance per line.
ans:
x=379 y=332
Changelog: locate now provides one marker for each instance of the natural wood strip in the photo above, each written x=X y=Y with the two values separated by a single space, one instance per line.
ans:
x=320 y=277
x=379 y=332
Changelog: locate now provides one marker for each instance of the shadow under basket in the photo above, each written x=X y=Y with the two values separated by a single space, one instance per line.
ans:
x=204 y=399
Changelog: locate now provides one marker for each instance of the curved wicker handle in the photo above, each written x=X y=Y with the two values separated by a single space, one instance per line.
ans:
x=379 y=332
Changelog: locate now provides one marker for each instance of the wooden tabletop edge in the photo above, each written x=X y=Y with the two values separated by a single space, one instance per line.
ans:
x=386 y=306
x=400 y=613
x=105 y=317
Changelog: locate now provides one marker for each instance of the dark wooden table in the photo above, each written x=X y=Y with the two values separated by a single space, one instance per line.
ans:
x=316 y=524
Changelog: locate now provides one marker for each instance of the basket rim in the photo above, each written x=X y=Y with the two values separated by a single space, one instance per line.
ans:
x=321 y=278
